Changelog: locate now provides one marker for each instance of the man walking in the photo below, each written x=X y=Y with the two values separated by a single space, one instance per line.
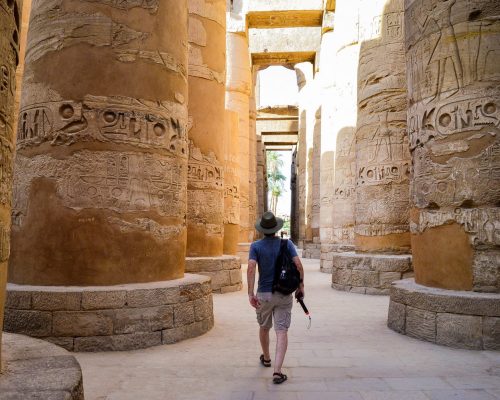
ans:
x=269 y=305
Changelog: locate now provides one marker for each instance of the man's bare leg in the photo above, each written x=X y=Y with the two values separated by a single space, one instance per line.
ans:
x=264 y=342
x=281 y=346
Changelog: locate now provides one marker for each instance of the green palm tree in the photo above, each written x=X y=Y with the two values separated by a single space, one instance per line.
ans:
x=275 y=178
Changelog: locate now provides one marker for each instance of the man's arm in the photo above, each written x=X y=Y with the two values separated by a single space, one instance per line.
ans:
x=298 y=264
x=252 y=264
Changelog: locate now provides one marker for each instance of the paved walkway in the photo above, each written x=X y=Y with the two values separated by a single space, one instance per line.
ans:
x=349 y=353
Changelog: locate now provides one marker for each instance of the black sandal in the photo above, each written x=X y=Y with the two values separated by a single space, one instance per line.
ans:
x=279 y=378
x=265 y=363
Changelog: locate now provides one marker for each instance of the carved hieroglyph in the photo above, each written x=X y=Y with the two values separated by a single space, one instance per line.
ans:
x=453 y=58
x=382 y=152
x=207 y=63
x=238 y=84
x=231 y=184
x=101 y=171
x=10 y=19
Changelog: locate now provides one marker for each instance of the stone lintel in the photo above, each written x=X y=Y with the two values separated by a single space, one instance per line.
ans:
x=285 y=40
x=284 y=5
x=367 y=273
x=285 y=18
x=277 y=125
x=280 y=139
x=36 y=369
x=279 y=147
x=224 y=271
x=111 y=318
x=462 y=319
x=278 y=112
x=281 y=58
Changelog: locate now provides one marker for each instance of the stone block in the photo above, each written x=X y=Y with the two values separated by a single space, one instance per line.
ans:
x=364 y=278
x=235 y=276
x=203 y=308
x=206 y=287
x=196 y=265
x=219 y=279
x=82 y=323
x=191 y=292
x=98 y=300
x=231 y=288
x=396 y=318
x=55 y=301
x=196 y=329
x=134 y=320
x=462 y=331
x=491 y=333
x=342 y=288
x=152 y=297
x=67 y=343
x=377 y=291
x=396 y=263
x=341 y=276
x=31 y=323
x=421 y=324
x=386 y=278
x=118 y=342
x=174 y=335
x=18 y=300
x=184 y=314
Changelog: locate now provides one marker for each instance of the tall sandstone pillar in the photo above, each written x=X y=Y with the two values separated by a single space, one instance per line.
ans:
x=453 y=53
x=252 y=160
x=101 y=175
x=10 y=20
x=231 y=184
x=238 y=90
x=207 y=86
x=382 y=238
x=341 y=50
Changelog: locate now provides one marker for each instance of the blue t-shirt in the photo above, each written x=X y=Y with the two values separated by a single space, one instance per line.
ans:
x=265 y=252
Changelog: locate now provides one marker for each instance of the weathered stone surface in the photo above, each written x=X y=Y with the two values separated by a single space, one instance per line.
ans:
x=447 y=301
x=100 y=186
x=18 y=300
x=54 y=301
x=103 y=299
x=459 y=331
x=364 y=278
x=397 y=317
x=142 y=312
x=82 y=323
x=33 y=323
x=386 y=278
x=421 y=324
x=39 y=370
x=491 y=333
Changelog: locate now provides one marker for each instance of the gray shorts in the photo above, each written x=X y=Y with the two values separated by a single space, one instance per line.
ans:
x=275 y=305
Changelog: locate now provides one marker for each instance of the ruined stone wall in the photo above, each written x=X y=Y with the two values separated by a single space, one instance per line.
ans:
x=10 y=31
x=207 y=64
x=453 y=54
x=382 y=155
x=101 y=168
x=231 y=184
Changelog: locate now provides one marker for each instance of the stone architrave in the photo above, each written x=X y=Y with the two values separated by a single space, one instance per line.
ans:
x=207 y=63
x=100 y=181
x=10 y=20
x=452 y=55
x=238 y=84
x=231 y=184
x=382 y=152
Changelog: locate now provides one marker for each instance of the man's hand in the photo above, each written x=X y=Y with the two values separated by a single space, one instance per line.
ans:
x=300 y=293
x=254 y=301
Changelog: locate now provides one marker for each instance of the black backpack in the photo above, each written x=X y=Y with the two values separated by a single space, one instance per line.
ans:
x=286 y=275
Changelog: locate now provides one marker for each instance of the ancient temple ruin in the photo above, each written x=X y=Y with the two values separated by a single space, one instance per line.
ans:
x=134 y=161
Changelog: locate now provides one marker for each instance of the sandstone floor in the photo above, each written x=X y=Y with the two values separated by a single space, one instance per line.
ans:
x=348 y=353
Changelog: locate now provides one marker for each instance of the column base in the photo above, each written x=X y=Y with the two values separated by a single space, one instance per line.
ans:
x=112 y=318
x=312 y=249
x=225 y=271
x=243 y=250
x=467 y=320
x=369 y=273
x=327 y=252
x=36 y=369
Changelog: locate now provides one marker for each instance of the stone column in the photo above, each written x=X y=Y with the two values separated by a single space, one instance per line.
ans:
x=341 y=53
x=454 y=103
x=252 y=159
x=205 y=216
x=101 y=175
x=231 y=184
x=10 y=22
x=382 y=238
x=238 y=85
